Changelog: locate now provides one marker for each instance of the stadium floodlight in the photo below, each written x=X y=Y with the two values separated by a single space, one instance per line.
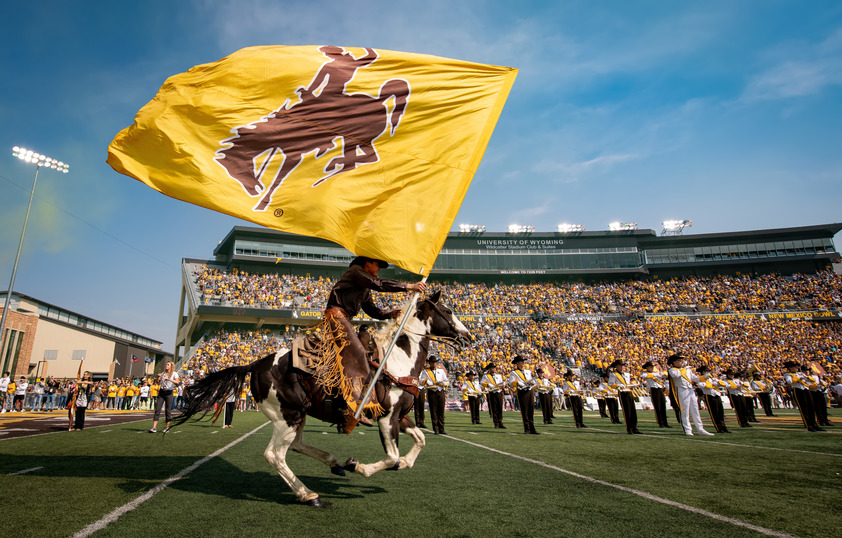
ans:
x=675 y=227
x=40 y=161
x=568 y=228
x=622 y=226
x=471 y=228
x=520 y=229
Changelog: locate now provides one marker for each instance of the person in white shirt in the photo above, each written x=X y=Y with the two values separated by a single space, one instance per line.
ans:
x=4 y=386
x=620 y=380
x=734 y=385
x=168 y=380
x=683 y=381
x=609 y=394
x=521 y=380
x=835 y=391
x=763 y=388
x=801 y=392
x=545 y=395
x=473 y=392
x=654 y=380
x=434 y=379
x=573 y=392
x=492 y=383
x=20 y=393
x=712 y=388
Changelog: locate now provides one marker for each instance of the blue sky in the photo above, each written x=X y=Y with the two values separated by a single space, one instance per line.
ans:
x=727 y=112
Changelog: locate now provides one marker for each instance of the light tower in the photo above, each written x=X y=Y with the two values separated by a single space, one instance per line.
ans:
x=39 y=160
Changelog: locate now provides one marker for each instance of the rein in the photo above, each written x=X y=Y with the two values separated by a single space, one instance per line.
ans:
x=447 y=340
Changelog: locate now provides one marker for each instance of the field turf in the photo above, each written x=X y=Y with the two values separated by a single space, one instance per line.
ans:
x=775 y=478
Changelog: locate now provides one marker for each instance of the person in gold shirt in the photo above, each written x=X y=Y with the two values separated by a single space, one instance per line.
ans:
x=111 y=399
x=121 y=395
x=129 y=401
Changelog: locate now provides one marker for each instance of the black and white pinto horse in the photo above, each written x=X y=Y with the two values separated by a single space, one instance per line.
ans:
x=286 y=395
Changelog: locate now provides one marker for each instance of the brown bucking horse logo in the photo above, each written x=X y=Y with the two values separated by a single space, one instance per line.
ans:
x=325 y=117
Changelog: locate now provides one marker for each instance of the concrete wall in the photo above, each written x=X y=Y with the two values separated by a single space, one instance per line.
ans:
x=98 y=358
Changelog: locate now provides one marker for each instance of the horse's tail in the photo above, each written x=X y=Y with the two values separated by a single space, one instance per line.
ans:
x=213 y=389
x=400 y=89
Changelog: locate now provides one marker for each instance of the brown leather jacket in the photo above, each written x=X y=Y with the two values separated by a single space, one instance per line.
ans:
x=353 y=292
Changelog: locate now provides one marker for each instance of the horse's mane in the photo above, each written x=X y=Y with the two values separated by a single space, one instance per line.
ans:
x=385 y=332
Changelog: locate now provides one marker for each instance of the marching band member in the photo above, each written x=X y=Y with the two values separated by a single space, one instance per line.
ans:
x=521 y=380
x=492 y=384
x=621 y=381
x=671 y=395
x=817 y=388
x=600 y=397
x=735 y=393
x=683 y=381
x=545 y=395
x=763 y=388
x=711 y=388
x=655 y=383
x=573 y=393
x=609 y=394
x=420 y=400
x=748 y=396
x=434 y=379
x=473 y=392
x=798 y=383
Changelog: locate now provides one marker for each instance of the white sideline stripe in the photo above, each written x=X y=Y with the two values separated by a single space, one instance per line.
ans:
x=128 y=507
x=649 y=496
x=25 y=471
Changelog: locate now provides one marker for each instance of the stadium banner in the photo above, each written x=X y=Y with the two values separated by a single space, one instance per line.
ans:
x=220 y=308
x=372 y=149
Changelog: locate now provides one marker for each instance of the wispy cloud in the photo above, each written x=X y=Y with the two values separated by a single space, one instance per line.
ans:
x=570 y=172
x=798 y=70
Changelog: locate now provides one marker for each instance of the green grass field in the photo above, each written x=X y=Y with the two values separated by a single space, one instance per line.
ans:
x=477 y=481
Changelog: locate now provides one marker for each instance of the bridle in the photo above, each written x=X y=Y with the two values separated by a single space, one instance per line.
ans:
x=451 y=341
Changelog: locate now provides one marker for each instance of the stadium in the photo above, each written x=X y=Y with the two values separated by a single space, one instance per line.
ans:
x=570 y=301
x=519 y=258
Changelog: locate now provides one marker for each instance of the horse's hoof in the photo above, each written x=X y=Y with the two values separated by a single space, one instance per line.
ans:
x=315 y=502
x=337 y=470
x=350 y=465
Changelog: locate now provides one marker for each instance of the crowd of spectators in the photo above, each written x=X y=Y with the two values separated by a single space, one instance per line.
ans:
x=753 y=343
x=714 y=294
x=506 y=325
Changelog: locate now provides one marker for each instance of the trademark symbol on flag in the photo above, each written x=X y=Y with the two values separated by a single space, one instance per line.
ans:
x=279 y=212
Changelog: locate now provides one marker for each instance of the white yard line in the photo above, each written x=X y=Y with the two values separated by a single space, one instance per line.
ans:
x=25 y=471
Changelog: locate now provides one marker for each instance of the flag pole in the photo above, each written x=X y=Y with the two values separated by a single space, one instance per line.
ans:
x=382 y=366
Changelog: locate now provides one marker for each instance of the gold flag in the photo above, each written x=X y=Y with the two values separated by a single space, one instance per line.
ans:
x=371 y=149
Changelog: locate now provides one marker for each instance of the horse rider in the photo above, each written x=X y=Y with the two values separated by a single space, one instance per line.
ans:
x=351 y=293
